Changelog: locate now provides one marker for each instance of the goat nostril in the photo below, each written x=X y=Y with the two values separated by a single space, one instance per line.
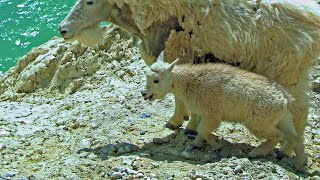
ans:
x=63 y=32
x=143 y=93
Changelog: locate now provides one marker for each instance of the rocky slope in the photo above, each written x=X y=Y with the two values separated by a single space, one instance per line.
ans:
x=72 y=112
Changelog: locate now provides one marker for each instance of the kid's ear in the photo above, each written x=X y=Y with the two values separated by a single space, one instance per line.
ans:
x=161 y=57
x=171 y=66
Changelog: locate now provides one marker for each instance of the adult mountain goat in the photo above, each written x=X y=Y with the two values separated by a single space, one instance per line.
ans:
x=220 y=92
x=279 y=39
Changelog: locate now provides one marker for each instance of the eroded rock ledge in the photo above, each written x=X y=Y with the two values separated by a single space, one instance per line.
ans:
x=61 y=67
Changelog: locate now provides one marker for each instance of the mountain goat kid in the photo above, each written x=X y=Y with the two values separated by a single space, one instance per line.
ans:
x=220 y=92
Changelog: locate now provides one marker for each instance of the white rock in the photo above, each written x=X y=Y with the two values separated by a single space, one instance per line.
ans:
x=2 y=146
x=4 y=133
x=92 y=156
x=121 y=99
x=140 y=175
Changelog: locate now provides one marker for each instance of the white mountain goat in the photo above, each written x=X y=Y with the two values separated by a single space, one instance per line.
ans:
x=279 y=39
x=220 y=92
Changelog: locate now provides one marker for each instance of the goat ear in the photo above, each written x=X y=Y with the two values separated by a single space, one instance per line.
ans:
x=171 y=66
x=161 y=57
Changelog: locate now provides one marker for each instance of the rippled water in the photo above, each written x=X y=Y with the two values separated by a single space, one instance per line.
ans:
x=28 y=23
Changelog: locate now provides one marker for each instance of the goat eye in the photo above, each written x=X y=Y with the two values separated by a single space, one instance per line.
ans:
x=90 y=2
x=156 y=81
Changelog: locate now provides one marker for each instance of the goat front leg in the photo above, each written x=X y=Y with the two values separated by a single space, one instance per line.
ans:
x=179 y=116
x=191 y=128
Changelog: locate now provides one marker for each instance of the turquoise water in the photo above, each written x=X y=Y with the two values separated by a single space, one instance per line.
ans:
x=28 y=23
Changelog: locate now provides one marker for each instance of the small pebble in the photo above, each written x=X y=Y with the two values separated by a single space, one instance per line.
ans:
x=2 y=146
x=237 y=169
x=110 y=173
x=117 y=169
x=130 y=171
x=192 y=174
x=212 y=173
x=11 y=175
x=31 y=177
x=135 y=165
x=5 y=162
x=94 y=124
x=145 y=115
x=262 y=176
x=155 y=165
x=140 y=175
x=92 y=156
x=127 y=162
x=142 y=132
x=102 y=174
x=157 y=141
x=4 y=133
x=121 y=99
x=117 y=175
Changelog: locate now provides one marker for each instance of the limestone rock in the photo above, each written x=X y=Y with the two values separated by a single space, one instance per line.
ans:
x=57 y=66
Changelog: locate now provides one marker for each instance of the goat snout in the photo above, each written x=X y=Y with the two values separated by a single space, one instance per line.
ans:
x=143 y=93
x=63 y=31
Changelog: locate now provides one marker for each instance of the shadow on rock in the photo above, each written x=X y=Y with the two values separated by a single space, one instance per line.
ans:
x=175 y=148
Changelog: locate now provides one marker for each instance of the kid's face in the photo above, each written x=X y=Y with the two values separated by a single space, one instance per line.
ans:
x=156 y=87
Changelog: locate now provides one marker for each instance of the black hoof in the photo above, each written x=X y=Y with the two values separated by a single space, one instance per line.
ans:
x=196 y=147
x=302 y=171
x=186 y=118
x=189 y=136
x=190 y=132
x=170 y=126
x=280 y=155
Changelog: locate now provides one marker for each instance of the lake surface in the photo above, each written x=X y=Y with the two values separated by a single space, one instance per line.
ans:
x=28 y=23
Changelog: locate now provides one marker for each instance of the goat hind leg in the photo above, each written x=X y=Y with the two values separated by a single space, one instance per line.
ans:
x=267 y=146
x=300 y=113
x=205 y=129
x=294 y=140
